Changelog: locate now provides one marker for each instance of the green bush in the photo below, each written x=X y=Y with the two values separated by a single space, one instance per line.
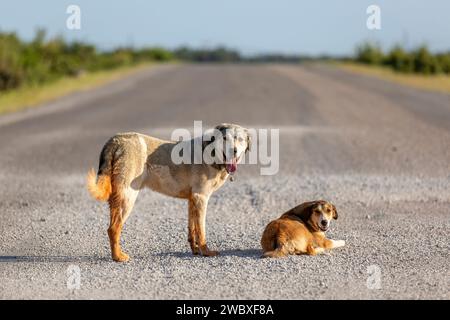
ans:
x=420 y=60
x=219 y=54
x=425 y=62
x=444 y=62
x=369 y=53
x=11 y=71
x=400 y=60
x=156 y=54
x=42 y=60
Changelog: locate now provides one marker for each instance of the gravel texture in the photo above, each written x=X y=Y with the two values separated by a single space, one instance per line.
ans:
x=380 y=152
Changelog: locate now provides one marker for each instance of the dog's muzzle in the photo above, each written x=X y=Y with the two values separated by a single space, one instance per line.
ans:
x=231 y=166
x=324 y=225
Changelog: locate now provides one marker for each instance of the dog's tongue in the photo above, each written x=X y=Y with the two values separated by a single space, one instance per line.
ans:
x=231 y=167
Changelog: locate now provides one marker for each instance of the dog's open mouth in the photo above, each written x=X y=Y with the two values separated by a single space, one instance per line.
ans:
x=323 y=228
x=231 y=166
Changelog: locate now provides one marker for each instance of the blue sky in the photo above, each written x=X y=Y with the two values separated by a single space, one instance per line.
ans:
x=252 y=26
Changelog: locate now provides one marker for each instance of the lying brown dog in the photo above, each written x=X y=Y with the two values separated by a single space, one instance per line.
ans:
x=301 y=230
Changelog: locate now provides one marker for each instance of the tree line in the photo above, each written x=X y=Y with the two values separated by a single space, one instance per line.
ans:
x=419 y=60
x=43 y=59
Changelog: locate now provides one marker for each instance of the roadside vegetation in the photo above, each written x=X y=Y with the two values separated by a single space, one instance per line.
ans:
x=42 y=69
x=417 y=68
x=43 y=60
x=32 y=95
x=419 y=60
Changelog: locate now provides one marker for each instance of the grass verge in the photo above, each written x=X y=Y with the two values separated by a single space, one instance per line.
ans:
x=30 y=96
x=439 y=83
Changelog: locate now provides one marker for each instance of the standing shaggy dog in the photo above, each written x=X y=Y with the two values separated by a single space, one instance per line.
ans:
x=130 y=162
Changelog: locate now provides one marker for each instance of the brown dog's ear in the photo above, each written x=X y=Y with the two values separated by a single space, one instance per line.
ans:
x=335 y=213
x=303 y=211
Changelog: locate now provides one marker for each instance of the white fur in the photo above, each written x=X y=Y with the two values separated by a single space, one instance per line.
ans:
x=338 y=243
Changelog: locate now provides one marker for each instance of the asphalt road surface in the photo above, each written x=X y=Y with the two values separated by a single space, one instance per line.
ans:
x=379 y=151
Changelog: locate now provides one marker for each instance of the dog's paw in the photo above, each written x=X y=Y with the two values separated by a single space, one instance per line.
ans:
x=319 y=250
x=121 y=257
x=195 y=251
x=338 y=243
x=210 y=253
x=204 y=251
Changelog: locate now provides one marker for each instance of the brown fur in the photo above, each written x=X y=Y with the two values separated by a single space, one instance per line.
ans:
x=130 y=162
x=99 y=188
x=298 y=231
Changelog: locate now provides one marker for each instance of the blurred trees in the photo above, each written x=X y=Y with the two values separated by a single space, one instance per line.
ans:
x=219 y=54
x=420 y=60
x=42 y=60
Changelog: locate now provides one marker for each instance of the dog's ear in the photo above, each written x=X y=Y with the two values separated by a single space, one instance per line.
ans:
x=207 y=141
x=335 y=213
x=249 y=141
x=223 y=127
x=304 y=211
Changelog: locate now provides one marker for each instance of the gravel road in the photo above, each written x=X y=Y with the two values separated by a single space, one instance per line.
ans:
x=379 y=151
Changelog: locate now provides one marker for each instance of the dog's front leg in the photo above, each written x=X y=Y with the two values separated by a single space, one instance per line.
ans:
x=328 y=243
x=337 y=243
x=197 y=211
x=192 y=235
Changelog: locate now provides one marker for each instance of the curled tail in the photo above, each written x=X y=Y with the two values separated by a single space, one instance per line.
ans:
x=99 y=186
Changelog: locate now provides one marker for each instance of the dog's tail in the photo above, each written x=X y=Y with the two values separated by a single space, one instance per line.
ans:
x=99 y=186
x=277 y=253
x=275 y=250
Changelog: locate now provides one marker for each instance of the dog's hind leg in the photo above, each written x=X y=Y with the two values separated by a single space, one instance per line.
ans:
x=130 y=196
x=277 y=253
x=116 y=205
x=121 y=203
x=311 y=250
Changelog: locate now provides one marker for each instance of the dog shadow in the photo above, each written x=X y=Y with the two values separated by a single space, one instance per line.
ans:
x=43 y=259
x=241 y=253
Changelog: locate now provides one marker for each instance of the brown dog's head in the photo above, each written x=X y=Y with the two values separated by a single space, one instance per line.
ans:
x=317 y=214
x=228 y=144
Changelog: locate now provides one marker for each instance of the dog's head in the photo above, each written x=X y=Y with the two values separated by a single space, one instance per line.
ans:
x=229 y=143
x=317 y=214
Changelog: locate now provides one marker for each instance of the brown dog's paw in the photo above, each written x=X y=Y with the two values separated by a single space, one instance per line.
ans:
x=121 y=257
x=194 y=249
x=204 y=251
